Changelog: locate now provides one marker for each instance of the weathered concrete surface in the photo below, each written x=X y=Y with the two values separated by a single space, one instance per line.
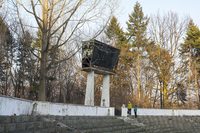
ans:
x=162 y=112
x=17 y=106
x=105 y=96
x=89 y=95
x=47 y=108
x=124 y=111
x=168 y=112
x=11 y=106
x=170 y=124
x=65 y=124
x=99 y=124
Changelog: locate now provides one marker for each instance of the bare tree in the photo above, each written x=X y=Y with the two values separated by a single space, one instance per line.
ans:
x=1 y=3
x=60 y=22
x=168 y=31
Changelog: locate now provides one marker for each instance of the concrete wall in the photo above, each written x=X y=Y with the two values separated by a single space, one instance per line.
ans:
x=163 y=112
x=47 y=108
x=168 y=112
x=11 y=106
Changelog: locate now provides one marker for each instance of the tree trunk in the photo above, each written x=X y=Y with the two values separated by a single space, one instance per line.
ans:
x=43 y=71
x=138 y=78
x=44 y=52
x=154 y=101
x=161 y=95
x=196 y=86
x=165 y=94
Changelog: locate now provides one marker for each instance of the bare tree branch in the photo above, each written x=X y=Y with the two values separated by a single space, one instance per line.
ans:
x=38 y=19
x=67 y=20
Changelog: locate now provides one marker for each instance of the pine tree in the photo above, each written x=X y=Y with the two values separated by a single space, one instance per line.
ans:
x=137 y=25
x=119 y=91
x=115 y=33
x=136 y=34
x=190 y=52
x=27 y=68
x=7 y=50
x=191 y=44
x=192 y=40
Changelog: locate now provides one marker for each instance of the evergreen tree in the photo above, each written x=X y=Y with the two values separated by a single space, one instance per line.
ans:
x=7 y=50
x=190 y=52
x=191 y=44
x=137 y=25
x=136 y=34
x=27 y=71
x=115 y=33
x=119 y=92
x=192 y=40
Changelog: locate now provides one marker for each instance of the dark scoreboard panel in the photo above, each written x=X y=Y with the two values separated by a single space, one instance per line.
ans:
x=99 y=56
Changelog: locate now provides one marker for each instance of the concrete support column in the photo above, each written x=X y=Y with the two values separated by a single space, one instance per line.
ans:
x=105 y=96
x=89 y=96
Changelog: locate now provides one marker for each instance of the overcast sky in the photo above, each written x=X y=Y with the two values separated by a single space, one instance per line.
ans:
x=189 y=8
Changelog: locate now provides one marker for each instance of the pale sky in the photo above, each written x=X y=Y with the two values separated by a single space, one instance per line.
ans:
x=189 y=8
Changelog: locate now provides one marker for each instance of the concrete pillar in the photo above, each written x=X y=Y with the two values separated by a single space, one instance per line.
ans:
x=105 y=95
x=124 y=111
x=89 y=95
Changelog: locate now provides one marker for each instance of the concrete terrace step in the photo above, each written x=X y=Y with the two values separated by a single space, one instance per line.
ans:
x=63 y=124
x=90 y=124
x=96 y=125
x=122 y=128
x=90 y=120
x=81 y=117
x=172 y=124
x=18 y=119
x=72 y=122
x=26 y=126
